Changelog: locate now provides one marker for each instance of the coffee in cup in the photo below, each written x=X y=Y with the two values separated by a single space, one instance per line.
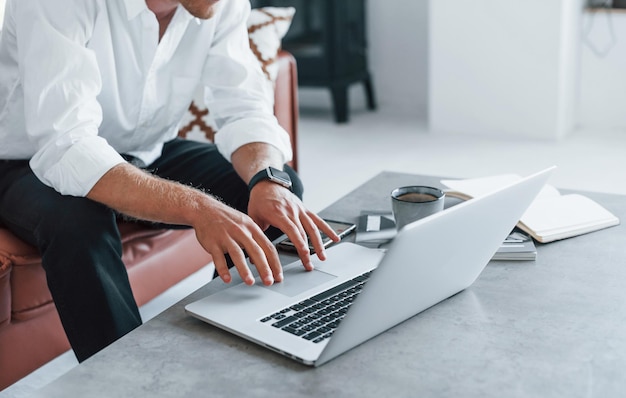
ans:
x=416 y=197
x=414 y=202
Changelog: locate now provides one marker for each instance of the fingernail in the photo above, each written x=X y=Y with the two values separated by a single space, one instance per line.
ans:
x=268 y=280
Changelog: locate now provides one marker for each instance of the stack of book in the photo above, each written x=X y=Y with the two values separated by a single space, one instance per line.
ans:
x=518 y=246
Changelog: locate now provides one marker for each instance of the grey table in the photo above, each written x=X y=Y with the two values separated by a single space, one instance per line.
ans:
x=555 y=327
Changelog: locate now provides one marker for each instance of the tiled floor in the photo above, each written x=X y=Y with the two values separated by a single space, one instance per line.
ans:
x=334 y=159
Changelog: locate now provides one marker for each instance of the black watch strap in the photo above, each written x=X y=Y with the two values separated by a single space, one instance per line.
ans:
x=272 y=174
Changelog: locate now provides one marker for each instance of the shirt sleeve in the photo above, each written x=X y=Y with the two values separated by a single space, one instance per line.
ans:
x=61 y=79
x=238 y=95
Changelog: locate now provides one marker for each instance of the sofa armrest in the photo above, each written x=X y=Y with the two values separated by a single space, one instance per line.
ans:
x=5 y=289
x=286 y=99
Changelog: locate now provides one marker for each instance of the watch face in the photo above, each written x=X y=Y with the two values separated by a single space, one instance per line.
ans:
x=279 y=177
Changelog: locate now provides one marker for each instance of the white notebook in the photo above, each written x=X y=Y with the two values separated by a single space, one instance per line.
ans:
x=551 y=216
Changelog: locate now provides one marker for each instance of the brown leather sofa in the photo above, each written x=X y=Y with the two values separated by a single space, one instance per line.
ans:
x=30 y=330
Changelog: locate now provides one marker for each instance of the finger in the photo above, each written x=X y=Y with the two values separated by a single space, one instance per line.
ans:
x=300 y=242
x=320 y=224
x=323 y=226
x=239 y=260
x=263 y=255
x=304 y=252
x=314 y=237
x=270 y=258
x=259 y=221
x=269 y=268
x=221 y=266
x=291 y=223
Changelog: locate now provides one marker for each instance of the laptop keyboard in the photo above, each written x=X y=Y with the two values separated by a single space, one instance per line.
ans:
x=316 y=318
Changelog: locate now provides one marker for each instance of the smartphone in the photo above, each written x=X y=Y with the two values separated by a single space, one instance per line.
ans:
x=341 y=228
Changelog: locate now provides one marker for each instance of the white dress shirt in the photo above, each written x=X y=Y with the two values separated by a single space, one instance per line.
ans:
x=82 y=81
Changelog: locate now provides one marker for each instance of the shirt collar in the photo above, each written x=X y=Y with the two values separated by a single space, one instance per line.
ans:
x=135 y=7
x=185 y=15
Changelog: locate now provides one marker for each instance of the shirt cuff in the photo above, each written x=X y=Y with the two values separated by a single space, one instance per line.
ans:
x=80 y=167
x=233 y=135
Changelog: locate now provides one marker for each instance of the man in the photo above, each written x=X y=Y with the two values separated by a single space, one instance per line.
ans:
x=91 y=93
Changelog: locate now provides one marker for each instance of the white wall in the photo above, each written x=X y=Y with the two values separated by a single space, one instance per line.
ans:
x=603 y=71
x=398 y=41
x=504 y=68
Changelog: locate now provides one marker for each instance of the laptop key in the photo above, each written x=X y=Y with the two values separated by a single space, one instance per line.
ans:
x=324 y=329
x=312 y=335
x=291 y=330
x=284 y=322
x=331 y=292
x=333 y=325
x=296 y=325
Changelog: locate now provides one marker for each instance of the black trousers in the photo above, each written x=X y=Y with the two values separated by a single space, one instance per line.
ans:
x=80 y=243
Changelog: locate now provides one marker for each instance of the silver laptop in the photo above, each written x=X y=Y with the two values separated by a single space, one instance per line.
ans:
x=358 y=292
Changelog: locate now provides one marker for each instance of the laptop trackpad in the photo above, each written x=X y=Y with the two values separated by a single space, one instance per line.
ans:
x=297 y=280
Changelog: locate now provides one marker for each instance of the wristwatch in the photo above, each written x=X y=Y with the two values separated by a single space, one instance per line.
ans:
x=272 y=174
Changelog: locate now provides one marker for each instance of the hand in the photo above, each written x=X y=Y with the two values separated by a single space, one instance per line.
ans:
x=221 y=229
x=272 y=204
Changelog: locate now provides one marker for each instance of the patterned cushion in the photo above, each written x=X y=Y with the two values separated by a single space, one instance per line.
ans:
x=266 y=28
